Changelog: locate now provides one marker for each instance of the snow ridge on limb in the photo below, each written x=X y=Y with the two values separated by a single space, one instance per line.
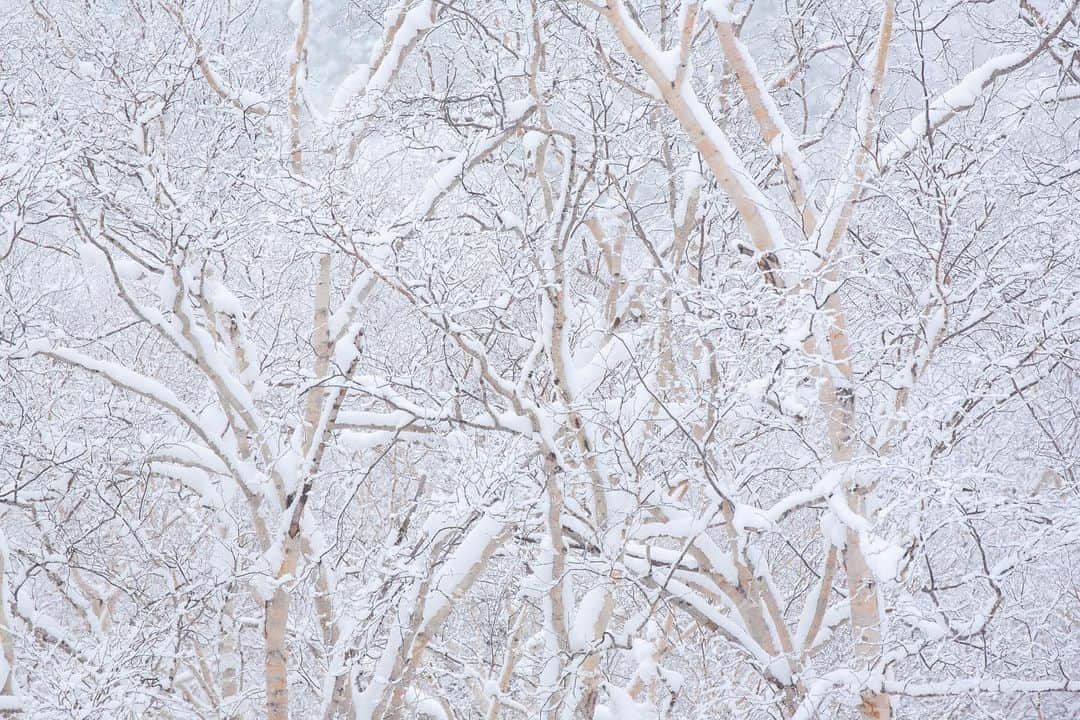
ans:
x=152 y=390
x=369 y=80
x=964 y=95
x=947 y=105
x=775 y=131
x=450 y=175
x=241 y=99
x=375 y=76
x=425 y=606
x=845 y=193
x=711 y=142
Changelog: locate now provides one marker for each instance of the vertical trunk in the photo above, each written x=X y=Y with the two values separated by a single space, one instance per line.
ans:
x=509 y=662
x=555 y=632
x=276 y=610
x=337 y=654
x=589 y=672
x=229 y=660
x=340 y=699
x=7 y=644
x=866 y=621
x=320 y=340
x=275 y=630
x=839 y=397
x=277 y=681
x=296 y=62
x=866 y=617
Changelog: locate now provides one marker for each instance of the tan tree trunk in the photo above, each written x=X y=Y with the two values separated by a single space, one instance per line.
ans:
x=7 y=644
x=708 y=139
x=866 y=616
x=229 y=661
x=275 y=630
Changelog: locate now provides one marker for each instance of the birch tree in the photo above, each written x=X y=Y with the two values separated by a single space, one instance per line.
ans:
x=545 y=358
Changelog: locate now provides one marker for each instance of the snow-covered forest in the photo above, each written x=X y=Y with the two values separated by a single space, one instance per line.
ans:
x=553 y=359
